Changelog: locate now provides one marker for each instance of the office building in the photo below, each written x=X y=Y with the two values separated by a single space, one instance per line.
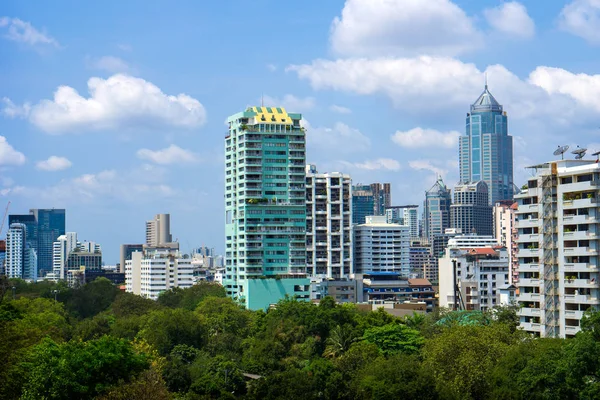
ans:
x=158 y=230
x=44 y=226
x=404 y=215
x=265 y=207
x=125 y=254
x=328 y=224
x=381 y=247
x=370 y=199
x=2 y=257
x=436 y=210
x=88 y=255
x=150 y=276
x=62 y=247
x=419 y=258
x=470 y=211
x=505 y=232
x=21 y=258
x=480 y=274
x=558 y=222
x=341 y=290
x=486 y=150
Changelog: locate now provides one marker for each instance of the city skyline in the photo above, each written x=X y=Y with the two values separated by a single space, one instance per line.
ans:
x=125 y=163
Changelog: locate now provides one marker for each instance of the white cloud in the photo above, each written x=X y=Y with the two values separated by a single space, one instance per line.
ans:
x=428 y=166
x=340 y=109
x=111 y=64
x=23 y=32
x=380 y=163
x=419 y=137
x=272 y=67
x=582 y=18
x=170 y=155
x=119 y=102
x=290 y=102
x=401 y=27
x=54 y=163
x=8 y=155
x=583 y=88
x=12 y=110
x=511 y=18
x=339 y=139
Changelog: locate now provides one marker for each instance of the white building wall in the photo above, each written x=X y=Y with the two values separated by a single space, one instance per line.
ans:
x=148 y=277
x=15 y=250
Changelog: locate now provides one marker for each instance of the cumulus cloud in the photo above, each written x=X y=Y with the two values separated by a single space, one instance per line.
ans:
x=339 y=139
x=110 y=64
x=427 y=165
x=119 y=102
x=170 y=155
x=13 y=110
x=54 y=163
x=583 y=88
x=8 y=154
x=340 y=109
x=380 y=163
x=511 y=18
x=384 y=28
x=290 y=102
x=23 y=32
x=419 y=137
x=582 y=18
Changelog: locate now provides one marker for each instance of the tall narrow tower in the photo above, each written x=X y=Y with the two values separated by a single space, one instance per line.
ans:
x=486 y=150
x=265 y=207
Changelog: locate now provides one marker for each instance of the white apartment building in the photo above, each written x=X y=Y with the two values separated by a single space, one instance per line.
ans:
x=149 y=276
x=61 y=249
x=505 y=232
x=471 y=241
x=480 y=275
x=558 y=222
x=381 y=247
x=404 y=215
x=21 y=259
x=328 y=224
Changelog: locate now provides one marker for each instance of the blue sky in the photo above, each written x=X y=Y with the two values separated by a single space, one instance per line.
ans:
x=115 y=110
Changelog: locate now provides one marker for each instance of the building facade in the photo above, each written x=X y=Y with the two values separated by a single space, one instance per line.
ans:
x=328 y=224
x=470 y=211
x=158 y=230
x=381 y=247
x=265 y=206
x=125 y=254
x=558 y=222
x=505 y=232
x=404 y=215
x=62 y=247
x=20 y=259
x=436 y=210
x=369 y=200
x=486 y=150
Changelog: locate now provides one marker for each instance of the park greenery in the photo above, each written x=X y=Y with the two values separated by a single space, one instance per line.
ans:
x=96 y=341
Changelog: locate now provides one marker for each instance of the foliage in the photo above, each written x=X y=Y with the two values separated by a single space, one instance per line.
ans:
x=165 y=329
x=394 y=338
x=191 y=297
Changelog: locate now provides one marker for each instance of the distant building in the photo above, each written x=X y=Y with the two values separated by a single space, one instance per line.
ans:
x=381 y=247
x=505 y=232
x=62 y=247
x=370 y=199
x=328 y=224
x=21 y=260
x=125 y=254
x=158 y=230
x=404 y=215
x=470 y=210
x=436 y=210
x=341 y=290
x=419 y=258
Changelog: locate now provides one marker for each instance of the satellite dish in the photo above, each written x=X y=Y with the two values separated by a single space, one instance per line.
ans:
x=561 y=151
x=579 y=153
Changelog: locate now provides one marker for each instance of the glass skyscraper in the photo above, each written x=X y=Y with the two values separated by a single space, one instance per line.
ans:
x=369 y=200
x=436 y=210
x=486 y=151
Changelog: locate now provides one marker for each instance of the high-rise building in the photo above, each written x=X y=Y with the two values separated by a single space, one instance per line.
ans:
x=328 y=224
x=470 y=211
x=505 y=232
x=486 y=150
x=158 y=230
x=125 y=254
x=21 y=260
x=381 y=247
x=436 y=210
x=404 y=215
x=61 y=249
x=558 y=222
x=265 y=207
x=369 y=200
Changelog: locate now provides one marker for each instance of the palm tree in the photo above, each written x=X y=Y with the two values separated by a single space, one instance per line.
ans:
x=339 y=341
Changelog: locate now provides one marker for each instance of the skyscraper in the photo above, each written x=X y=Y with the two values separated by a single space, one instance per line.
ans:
x=404 y=215
x=158 y=230
x=265 y=207
x=62 y=247
x=328 y=224
x=21 y=260
x=44 y=226
x=369 y=200
x=470 y=211
x=436 y=210
x=486 y=151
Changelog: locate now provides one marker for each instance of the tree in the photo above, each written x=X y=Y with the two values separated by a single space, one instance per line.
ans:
x=166 y=328
x=189 y=298
x=129 y=304
x=79 y=370
x=339 y=341
x=394 y=338
x=92 y=298
x=149 y=385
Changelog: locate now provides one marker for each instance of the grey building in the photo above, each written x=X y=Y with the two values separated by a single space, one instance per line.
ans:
x=470 y=211
x=436 y=209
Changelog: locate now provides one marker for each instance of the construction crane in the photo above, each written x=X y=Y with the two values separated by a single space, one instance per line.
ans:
x=4 y=218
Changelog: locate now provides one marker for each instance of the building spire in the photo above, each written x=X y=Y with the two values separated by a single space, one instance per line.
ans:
x=486 y=85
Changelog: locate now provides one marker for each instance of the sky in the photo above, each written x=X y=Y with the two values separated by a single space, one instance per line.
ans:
x=116 y=110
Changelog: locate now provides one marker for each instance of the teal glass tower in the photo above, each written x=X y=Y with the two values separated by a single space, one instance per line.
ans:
x=486 y=151
x=265 y=207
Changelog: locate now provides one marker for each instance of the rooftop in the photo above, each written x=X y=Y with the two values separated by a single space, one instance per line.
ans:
x=486 y=102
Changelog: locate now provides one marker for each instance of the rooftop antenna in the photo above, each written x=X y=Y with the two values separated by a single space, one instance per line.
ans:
x=561 y=150
x=579 y=153
x=597 y=154
x=262 y=99
x=486 y=86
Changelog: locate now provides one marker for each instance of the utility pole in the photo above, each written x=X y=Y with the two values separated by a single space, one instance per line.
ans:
x=455 y=286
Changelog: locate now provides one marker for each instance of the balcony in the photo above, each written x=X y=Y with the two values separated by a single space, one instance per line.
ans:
x=581 y=283
x=579 y=219
x=528 y=297
x=528 y=208
x=580 y=267
x=580 y=251
x=529 y=282
x=574 y=314
x=572 y=330
x=528 y=223
x=530 y=312
x=529 y=267
x=525 y=238
x=530 y=326
x=529 y=252
x=581 y=203
x=579 y=235
x=580 y=299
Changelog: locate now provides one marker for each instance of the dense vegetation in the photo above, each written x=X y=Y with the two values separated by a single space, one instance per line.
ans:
x=98 y=342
